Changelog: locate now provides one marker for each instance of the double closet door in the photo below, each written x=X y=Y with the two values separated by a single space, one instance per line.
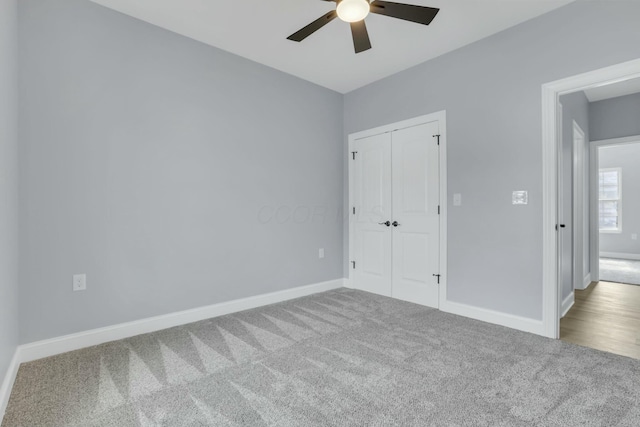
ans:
x=395 y=214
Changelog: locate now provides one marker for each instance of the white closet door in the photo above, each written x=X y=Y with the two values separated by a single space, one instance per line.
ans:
x=372 y=190
x=416 y=240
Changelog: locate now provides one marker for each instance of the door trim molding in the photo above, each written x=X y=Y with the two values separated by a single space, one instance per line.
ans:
x=441 y=117
x=420 y=120
x=585 y=282
x=560 y=211
x=578 y=190
x=568 y=303
x=550 y=93
x=578 y=208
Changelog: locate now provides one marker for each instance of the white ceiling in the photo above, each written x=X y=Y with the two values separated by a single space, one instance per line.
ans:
x=257 y=30
x=613 y=90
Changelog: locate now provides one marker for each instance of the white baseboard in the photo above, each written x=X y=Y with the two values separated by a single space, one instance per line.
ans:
x=620 y=255
x=346 y=282
x=51 y=347
x=497 y=318
x=568 y=303
x=586 y=282
x=7 y=382
x=40 y=349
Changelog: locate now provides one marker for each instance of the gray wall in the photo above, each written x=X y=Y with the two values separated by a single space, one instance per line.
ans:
x=492 y=93
x=575 y=106
x=626 y=157
x=615 y=118
x=154 y=164
x=8 y=184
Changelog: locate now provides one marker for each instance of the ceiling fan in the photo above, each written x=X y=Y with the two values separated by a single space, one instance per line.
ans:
x=354 y=12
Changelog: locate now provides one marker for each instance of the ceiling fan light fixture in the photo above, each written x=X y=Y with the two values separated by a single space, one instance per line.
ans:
x=353 y=10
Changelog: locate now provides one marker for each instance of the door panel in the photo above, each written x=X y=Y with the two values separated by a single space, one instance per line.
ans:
x=414 y=248
x=416 y=195
x=373 y=261
x=372 y=200
x=413 y=200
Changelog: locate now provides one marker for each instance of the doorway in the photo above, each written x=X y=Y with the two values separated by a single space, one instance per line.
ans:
x=397 y=231
x=618 y=195
x=552 y=289
x=605 y=314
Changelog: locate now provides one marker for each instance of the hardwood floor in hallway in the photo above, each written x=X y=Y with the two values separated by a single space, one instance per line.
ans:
x=605 y=316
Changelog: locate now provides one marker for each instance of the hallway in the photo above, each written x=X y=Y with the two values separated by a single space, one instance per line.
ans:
x=605 y=316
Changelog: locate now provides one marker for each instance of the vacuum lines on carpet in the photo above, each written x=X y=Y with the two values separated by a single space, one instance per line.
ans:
x=339 y=358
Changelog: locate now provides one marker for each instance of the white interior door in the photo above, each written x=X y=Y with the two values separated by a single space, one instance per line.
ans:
x=372 y=202
x=416 y=221
x=564 y=259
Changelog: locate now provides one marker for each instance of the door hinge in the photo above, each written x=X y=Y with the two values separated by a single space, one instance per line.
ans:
x=353 y=153
x=438 y=277
x=437 y=136
x=354 y=264
x=354 y=210
x=438 y=209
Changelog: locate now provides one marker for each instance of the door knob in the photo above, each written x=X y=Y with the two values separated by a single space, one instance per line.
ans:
x=395 y=223
x=387 y=223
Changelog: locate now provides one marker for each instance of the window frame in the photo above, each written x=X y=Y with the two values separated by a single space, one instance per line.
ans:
x=617 y=230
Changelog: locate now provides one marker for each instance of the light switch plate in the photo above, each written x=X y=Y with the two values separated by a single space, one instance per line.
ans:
x=520 y=198
x=457 y=199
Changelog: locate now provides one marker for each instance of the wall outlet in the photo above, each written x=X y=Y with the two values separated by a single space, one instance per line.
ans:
x=321 y=253
x=79 y=282
x=634 y=236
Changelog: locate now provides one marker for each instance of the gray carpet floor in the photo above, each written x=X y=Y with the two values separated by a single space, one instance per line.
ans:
x=620 y=271
x=340 y=358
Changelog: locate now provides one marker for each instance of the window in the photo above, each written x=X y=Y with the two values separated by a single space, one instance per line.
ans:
x=610 y=200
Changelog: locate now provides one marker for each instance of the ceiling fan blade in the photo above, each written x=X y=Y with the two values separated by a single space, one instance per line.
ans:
x=408 y=12
x=305 y=32
x=360 y=36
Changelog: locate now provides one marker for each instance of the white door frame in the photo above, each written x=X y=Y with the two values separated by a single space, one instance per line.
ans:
x=441 y=117
x=560 y=212
x=594 y=226
x=550 y=95
x=580 y=190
